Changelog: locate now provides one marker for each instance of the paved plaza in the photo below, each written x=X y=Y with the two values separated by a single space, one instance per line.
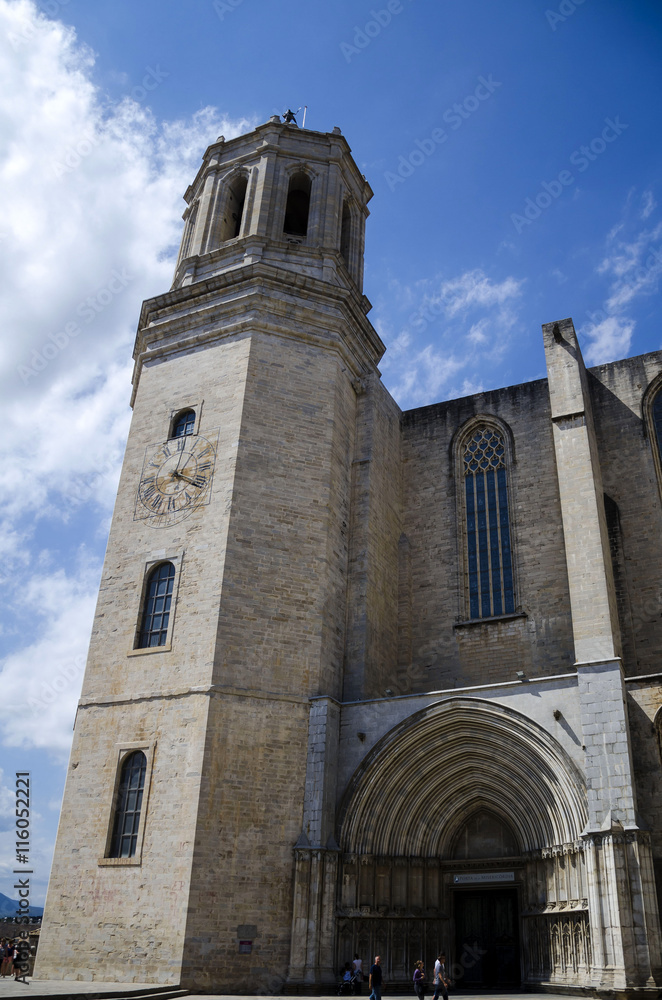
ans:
x=37 y=988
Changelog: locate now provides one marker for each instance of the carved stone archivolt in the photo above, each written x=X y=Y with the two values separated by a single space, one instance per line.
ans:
x=464 y=753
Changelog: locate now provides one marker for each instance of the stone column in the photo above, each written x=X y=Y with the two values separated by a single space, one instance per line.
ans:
x=298 y=946
x=625 y=930
x=327 y=926
x=590 y=576
x=331 y=220
x=316 y=854
x=320 y=795
x=201 y=226
x=262 y=207
x=246 y=227
x=312 y=948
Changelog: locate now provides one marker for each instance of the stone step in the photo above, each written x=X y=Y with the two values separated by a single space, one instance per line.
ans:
x=141 y=993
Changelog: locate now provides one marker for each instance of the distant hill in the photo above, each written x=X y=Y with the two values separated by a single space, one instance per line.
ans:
x=8 y=908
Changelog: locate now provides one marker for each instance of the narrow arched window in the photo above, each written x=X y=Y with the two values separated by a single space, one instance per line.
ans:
x=297 y=206
x=234 y=208
x=156 y=612
x=129 y=804
x=489 y=556
x=184 y=424
x=656 y=414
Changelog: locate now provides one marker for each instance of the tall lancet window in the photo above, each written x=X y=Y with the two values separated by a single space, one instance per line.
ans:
x=656 y=414
x=489 y=556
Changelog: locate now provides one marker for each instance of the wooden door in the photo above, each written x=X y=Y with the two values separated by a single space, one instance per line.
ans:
x=486 y=939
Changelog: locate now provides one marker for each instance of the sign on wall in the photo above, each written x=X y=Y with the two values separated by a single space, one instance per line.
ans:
x=483 y=877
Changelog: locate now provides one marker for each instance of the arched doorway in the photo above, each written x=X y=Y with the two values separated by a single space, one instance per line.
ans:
x=462 y=826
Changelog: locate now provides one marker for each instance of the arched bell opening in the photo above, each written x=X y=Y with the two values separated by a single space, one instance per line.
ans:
x=233 y=212
x=297 y=207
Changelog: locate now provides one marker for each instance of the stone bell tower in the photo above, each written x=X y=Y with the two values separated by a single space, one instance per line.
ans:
x=222 y=605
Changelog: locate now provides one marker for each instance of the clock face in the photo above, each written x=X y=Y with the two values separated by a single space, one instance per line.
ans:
x=176 y=480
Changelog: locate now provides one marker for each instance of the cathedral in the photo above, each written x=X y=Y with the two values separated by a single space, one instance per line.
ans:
x=361 y=681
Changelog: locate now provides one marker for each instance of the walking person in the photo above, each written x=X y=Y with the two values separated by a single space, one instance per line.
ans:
x=357 y=968
x=7 y=959
x=20 y=966
x=12 y=952
x=419 y=980
x=375 y=979
x=441 y=980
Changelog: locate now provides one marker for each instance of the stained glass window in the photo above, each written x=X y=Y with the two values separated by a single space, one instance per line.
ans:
x=491 y=590
x=657 y=421
x=156 y=613
x=129 y=803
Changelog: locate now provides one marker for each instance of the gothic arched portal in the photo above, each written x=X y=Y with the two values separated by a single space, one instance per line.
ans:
x=465 y=811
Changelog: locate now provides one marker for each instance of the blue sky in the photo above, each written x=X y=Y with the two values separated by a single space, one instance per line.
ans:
x=514 y=152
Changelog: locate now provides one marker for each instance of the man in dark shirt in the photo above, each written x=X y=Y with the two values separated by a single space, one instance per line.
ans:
x=441 y=980
x=375 y=980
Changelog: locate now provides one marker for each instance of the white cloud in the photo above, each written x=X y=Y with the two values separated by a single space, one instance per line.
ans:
x=472 y=316
x=425 y=374
x=477 y=334
x=74 y=436
x=632 y=267
x=609 y=339
x=559 y=275
x=41 y=680
x=89 y=226
x=648 y=204
x=7 y=800
x=474 y=288
x=470 y=387
x=625 y=256
x=90 y=193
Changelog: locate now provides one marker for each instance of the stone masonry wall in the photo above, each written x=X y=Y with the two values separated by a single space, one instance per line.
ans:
x=630 y=479
x=444 y=655
x=282 y=614
x=129 y=920
x=280 y=639
x=125 y=921
x=644 y=706
x=248 y=822
x=375 y=529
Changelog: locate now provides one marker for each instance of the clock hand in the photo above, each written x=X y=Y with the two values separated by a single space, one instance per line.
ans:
x=181 y=454
x=180 y=475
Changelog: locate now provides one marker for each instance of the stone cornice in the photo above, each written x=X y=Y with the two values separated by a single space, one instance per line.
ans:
x=211 y=691
x=257 y=298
